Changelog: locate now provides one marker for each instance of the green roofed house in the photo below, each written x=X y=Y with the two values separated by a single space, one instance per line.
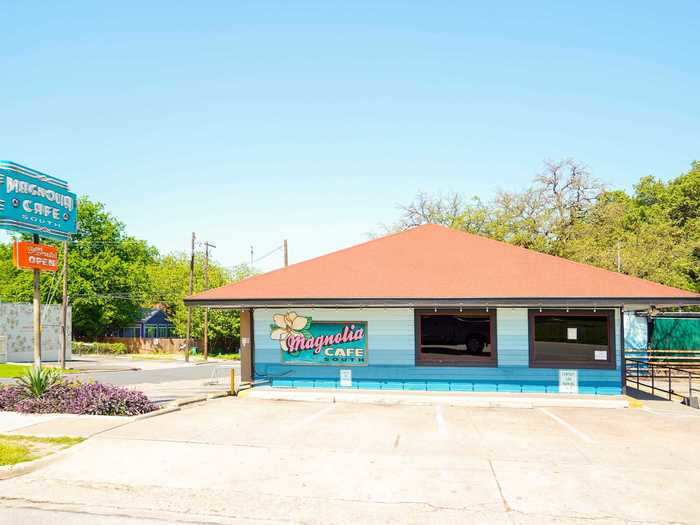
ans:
x=433 y=308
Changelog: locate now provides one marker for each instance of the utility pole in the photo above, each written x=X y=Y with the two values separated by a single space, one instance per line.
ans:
x=286 y=254
x=619 y=258
x=207 y=245
x=37 y=314
x=189 y=308
x=251 y=256
x=64 y=308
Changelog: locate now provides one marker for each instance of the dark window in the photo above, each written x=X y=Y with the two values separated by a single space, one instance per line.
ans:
x=572 y=339
x=455 y=338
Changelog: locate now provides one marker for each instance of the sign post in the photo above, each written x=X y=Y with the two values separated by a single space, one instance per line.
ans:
x=34 y=203
x=37 y=314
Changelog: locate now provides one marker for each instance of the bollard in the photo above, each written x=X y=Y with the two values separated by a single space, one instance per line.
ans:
x=232 y=377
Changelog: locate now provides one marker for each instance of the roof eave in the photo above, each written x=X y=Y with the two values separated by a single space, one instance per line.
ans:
x=443 y=302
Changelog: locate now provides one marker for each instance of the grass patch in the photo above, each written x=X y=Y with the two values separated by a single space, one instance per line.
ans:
x=8 y=370
x=227 y=357
x=18 y=449
x=13 y=370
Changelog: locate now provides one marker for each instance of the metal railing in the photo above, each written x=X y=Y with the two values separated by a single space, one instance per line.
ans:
x=662 y=377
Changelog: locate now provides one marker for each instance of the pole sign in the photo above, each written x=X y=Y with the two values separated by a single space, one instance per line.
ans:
x=304 y=341
x=31 y=256
x=35 y=203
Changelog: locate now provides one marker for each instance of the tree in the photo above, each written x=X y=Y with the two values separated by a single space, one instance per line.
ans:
x=542 y=217
x=169 y=278
x=108 y=272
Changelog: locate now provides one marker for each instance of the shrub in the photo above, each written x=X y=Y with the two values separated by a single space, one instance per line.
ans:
x=99 y=348
x=76 y=397
x=37 y=381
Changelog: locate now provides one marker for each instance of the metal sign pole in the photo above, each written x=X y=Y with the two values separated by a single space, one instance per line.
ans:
x=37 y=314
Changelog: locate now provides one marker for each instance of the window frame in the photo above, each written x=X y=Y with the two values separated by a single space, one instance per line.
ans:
x=490 y=362
x=609 y=364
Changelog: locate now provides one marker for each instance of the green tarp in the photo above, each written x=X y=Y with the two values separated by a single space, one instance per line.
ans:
x=675 y=334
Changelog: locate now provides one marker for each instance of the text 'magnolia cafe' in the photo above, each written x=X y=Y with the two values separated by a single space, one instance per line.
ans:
x=432 y=308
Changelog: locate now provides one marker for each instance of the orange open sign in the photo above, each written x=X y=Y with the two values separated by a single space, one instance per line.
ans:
x=31 y=256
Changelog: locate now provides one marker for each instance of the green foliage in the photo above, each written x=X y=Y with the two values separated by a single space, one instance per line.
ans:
x=108 y=272
x=169 y=277
x=37 y=381
x=99 y=348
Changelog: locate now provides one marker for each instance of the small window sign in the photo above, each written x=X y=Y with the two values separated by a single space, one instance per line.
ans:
x=568 y=381
x=346 y=378
x=601 y=355
x=572 y=333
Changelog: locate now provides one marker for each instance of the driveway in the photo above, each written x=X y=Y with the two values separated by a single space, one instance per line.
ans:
x=160 y=380
x=251 y=461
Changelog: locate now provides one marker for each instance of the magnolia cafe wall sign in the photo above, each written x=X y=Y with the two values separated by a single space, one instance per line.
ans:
x=308 y=342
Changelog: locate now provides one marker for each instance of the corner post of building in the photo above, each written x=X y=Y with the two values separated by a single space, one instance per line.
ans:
x=246 y=316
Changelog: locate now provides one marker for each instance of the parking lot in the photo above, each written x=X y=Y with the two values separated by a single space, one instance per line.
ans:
x=250 y=461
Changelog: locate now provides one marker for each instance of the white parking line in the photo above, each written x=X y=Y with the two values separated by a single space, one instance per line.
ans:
x=585 y=437
x=311 y=418
x=440 y=422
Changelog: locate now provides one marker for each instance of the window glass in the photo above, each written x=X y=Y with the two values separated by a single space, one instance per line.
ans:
x=571 y=339
x=151 y=331
x=455 y=338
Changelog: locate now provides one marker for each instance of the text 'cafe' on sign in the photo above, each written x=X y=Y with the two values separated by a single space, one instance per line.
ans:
x=35 y=203
x=304 y=341
x=31 y=256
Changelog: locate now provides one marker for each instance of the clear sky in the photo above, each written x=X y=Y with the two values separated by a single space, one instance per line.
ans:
x=251 y=122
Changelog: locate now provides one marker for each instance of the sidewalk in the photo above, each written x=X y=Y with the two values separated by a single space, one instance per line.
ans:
x=56 y=425
x=466 y=399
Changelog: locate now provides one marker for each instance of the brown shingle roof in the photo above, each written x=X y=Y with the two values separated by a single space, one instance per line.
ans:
x=429 y=262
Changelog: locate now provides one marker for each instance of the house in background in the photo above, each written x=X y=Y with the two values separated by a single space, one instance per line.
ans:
x=154 y=324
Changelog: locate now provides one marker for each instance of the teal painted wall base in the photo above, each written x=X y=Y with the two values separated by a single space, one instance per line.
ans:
x=444 y=386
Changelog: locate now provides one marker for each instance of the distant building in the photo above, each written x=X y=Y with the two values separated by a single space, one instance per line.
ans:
x=154 y=324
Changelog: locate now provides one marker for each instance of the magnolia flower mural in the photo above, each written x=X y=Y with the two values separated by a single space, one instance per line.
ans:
x=287 y=325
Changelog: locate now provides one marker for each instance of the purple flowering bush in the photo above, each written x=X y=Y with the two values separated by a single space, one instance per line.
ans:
x=75 y=397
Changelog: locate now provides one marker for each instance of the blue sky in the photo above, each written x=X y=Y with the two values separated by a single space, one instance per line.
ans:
x=251 y=122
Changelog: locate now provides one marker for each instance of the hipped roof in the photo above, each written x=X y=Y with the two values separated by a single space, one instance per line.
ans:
x=430 y=264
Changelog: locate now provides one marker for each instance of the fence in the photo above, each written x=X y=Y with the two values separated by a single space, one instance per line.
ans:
x=673 y=373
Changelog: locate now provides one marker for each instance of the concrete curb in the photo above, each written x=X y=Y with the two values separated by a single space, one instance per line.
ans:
x=452 y=400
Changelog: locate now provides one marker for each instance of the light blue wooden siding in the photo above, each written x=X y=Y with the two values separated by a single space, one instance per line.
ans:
x=391 y=355
x=512 y=343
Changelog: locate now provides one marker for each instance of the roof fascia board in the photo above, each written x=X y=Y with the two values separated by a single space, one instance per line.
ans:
x=532 y=302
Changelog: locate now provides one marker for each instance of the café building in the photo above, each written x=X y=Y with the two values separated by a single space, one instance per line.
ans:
x=436 y=309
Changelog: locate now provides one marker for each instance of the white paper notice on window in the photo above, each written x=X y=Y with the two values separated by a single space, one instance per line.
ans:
x=346 y=378
x=572 y=334
x=568 y=381
x=601 y=355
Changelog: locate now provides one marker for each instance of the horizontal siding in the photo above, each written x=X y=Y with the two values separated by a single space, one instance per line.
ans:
x=512 y=337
